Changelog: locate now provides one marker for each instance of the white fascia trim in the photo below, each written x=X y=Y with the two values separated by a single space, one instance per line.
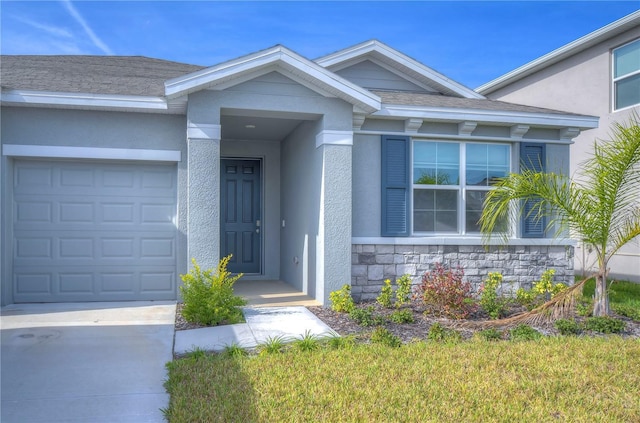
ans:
x=329 y=137
x=112 y=101
x=278 y=56
x=59 y=152
x=460 y=241
x=401 y=59
x=563 y=52
x=476 y=115
x=204 y=131
x=437 y=136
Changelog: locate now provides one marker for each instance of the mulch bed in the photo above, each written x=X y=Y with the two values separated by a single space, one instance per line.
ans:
x=408 y=332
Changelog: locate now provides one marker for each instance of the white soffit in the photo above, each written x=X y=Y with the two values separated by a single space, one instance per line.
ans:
x=243 y=68
x=401 y=62
x=609 y=31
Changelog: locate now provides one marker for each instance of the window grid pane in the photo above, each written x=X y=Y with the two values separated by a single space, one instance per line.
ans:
x=436 y=163
x=628 y=91
x=626 y=59
x=435 y=210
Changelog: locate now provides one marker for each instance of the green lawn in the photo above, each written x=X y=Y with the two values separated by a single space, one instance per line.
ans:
x=571 y=379
x=624 y=297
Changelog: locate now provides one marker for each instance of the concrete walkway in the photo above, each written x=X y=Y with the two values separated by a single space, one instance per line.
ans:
x=261 y=323
x=85 y=362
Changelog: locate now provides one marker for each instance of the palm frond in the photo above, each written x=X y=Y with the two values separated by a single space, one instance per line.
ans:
x=561 y=306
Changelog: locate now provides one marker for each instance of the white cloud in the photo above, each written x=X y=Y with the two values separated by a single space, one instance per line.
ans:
x=55 y=31
x=80 y=20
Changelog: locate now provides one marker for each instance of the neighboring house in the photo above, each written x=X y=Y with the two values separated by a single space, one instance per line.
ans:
x=356 y=167
x=598 y=74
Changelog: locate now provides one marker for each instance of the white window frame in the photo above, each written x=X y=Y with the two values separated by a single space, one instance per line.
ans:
x=615 y=80
x=461 y=188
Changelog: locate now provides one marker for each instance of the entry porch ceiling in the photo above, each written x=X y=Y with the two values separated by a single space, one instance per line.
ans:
x=260 y=125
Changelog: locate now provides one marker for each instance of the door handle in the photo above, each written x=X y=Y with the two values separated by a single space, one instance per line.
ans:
x=257 y=226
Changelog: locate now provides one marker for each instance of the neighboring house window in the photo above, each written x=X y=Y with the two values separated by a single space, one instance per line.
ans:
x=450 y=182
x=626 y=75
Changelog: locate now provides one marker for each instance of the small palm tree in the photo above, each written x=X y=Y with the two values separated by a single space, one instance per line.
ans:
x=601 y=206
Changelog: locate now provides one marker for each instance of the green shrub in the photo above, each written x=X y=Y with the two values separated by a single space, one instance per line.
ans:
x=567 y=327
x=381 y=335
x=341 y=342
x=542 y=291
x=366 y=316
x=604 y=324
x=444 y=293
x=627 y=310
x=491 y=334
x=234 y=350
x=386 y=294
x=439 y=333
x=402 y=316
x=307 y=342
x=341 y=300
x=524 y=332
x=403 y=292
x=272 y=345
x=490 y=301
x=208 y=296
x=584 y=307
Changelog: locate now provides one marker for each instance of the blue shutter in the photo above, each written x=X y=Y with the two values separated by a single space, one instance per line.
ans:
x=396 y=185
x=532 y=157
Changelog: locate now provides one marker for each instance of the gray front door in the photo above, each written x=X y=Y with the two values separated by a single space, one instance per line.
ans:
x=240 y=214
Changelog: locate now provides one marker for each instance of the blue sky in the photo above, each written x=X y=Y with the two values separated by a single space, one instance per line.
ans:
x=471 y=42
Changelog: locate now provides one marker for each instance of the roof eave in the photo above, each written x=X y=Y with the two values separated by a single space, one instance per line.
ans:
x=488 y=116
x=88 y=101
x=562 y=53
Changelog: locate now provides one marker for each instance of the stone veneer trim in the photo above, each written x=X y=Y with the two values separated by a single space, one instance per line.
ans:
x=520 y=265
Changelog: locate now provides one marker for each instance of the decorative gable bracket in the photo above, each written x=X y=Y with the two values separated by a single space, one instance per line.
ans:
x=567 y=134
x=466 y=128
x=412 y=125
x=518 y=131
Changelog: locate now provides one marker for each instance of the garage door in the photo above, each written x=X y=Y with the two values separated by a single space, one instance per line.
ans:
x=93 y=231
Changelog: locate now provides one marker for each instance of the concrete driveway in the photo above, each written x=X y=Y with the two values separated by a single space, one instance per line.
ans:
x=89 y=362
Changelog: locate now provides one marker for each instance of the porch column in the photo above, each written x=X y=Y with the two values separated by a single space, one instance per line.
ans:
x=333 y=250
x=203 y=193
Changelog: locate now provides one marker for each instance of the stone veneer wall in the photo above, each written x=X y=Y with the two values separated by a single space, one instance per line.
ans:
x=520 y=265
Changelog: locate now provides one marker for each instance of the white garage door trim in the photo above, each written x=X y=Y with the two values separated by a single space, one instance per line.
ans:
x=51 y=151
x=93 y=230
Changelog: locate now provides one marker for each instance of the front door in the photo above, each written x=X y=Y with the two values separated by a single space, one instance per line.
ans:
x=240 y=214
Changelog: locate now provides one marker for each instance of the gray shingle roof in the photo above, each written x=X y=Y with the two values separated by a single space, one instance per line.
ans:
x=431 y=100
x=126 y=75
x=138 y=75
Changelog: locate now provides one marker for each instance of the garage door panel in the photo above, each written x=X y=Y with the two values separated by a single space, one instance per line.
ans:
x=101 y=283
x=94 y=232
x=144 y=248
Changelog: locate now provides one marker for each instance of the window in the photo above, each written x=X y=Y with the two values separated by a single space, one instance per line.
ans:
x=626 y=75
x=450 y=182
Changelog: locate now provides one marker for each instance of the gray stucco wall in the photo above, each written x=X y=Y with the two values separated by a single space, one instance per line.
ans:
x=366 y=218
x=269 y=152
x=78 y=128
x=300 y=204
x=582 y=84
